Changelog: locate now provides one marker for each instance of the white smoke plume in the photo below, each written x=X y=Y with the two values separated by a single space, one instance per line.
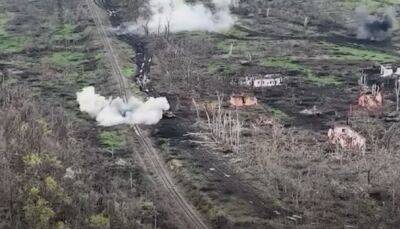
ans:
x=177 y=15
x=111 y=112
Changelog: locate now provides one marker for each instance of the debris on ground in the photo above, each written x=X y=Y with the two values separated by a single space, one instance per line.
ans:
x=121 y=162
x=71 y=173
x=169 y=114
x=311 y=111
x=346 y=137
x=371 y=100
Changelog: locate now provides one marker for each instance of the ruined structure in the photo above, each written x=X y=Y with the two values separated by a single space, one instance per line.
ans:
x=243 y=100
x=387 y=70
x=371 y=100
x=397 y=73
x=269 y=80
x=346 y=138
x=312 y=111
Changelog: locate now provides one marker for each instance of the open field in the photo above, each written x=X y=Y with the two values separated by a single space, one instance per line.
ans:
x=206 y=163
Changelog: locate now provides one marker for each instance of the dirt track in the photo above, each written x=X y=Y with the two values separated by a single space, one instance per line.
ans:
x=191 y=216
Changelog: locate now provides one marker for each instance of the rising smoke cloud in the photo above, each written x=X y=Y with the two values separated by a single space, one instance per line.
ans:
x=177 y=15
x=375 y=28
x=111 y=112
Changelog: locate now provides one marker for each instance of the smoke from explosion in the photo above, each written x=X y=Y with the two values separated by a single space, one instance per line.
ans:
x=111 y=112
x=177 y=15
x=374 y=28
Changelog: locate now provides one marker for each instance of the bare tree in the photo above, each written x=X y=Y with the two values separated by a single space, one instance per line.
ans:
x=397 y=91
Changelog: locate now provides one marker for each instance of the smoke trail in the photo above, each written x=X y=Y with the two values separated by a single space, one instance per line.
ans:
x=374 y=28
x=111 y=112
x=177 y=15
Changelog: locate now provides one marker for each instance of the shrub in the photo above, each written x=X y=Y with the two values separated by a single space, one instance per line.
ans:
x=111 y=140
x=99 y=221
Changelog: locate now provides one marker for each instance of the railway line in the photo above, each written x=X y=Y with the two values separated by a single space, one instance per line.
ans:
x=151 y=159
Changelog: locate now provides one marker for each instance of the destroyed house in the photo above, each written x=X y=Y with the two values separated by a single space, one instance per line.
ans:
x=371 y=101
x=346 y=137
x=243 y=100
x=387 y=70
x=269 y=80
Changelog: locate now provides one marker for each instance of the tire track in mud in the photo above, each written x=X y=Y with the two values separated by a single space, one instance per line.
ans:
x=192 y=217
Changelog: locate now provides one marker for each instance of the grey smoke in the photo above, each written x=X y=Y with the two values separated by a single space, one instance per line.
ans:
x=373 y=27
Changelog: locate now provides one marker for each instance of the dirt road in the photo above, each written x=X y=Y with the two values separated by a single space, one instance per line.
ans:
x=153 y=162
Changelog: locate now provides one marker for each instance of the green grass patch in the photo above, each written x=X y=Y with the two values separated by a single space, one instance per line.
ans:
x=10 y=43
x=66 y=32
x=282 y=62
x=348 y=53
x=278 y=114
x=128 y=71
x=111 y=140
x=3 y=23
x=322 y=80
x=220 y=67
x=66 y=58
x=242 y=47
x=291 y=65
x=237 y=32
x=357 y=53
x=99 y=221
x=99 y=56
x=225 y=45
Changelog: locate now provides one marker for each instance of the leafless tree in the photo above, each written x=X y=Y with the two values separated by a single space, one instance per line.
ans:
x=397 y=91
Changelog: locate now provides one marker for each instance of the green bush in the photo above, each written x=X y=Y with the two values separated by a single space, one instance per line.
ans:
x=128 y=71
x=99 y=221
x=111 y=140
x=66 y=58
x=32 y=160
x=37 y=212
x=66 y=32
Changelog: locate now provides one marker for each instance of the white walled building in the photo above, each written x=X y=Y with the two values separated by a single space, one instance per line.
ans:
x=269 y=80
x=386 y=71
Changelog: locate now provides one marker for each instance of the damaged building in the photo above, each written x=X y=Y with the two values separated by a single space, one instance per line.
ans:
x=312 y=111
x=243 y=100
x=387 y=70
x=346 y=137
x=371 y=100
x=269 y=80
